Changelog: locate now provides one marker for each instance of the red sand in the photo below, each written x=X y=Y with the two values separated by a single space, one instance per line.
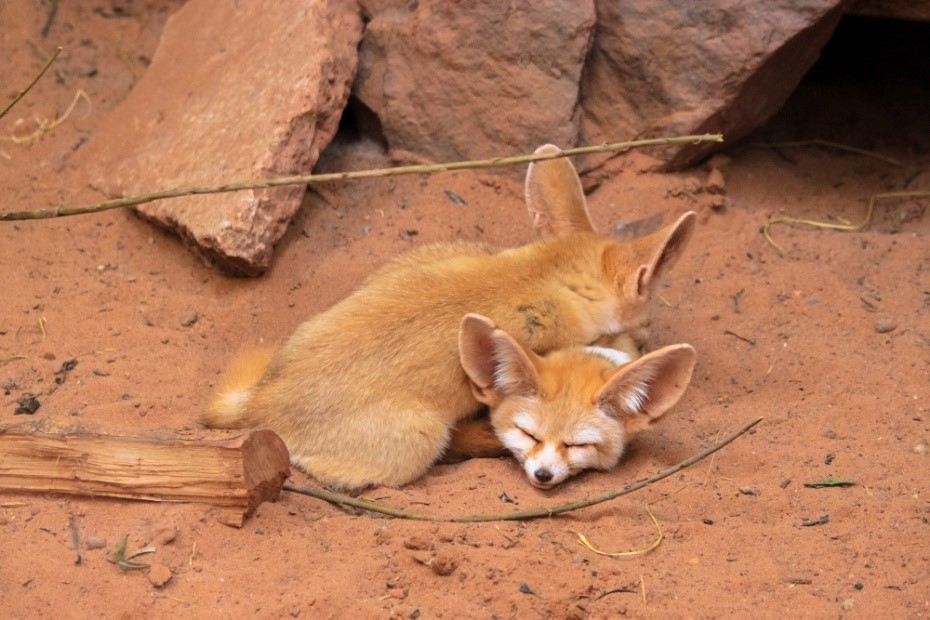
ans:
x=152 y=328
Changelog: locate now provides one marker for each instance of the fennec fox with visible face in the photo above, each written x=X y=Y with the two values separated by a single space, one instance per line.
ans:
x=368 y=391
x=568 y=410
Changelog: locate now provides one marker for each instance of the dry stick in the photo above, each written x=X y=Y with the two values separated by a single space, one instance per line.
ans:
x=117 y=203
x=341 y=499
x=52 y=10
x=587 y=544
x=829 y=226
x=75 y=539
x=23 y=92
x=832 y=145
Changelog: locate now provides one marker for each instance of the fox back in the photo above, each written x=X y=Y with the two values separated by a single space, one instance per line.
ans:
x=367 y=392
x=572 y=409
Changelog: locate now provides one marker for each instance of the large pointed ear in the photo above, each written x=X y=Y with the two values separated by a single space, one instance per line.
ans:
x=495 y=363
x=642 y=391
x=554 y=196
x=662 y=250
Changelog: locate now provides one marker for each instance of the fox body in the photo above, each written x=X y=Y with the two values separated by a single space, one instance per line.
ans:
x=566 y=411
x=368 y=391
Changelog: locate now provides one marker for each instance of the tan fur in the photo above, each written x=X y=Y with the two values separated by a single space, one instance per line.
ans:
x=368 y=391
x=226 y=408
x=566 y=411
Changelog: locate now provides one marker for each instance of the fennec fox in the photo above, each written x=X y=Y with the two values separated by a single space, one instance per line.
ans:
x=367 y=392
x=568 y=410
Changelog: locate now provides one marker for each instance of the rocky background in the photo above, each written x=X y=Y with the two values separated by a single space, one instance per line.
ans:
x=434 y=81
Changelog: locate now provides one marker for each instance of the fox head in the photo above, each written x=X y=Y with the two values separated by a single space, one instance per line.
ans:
x=572 y=409
x=631 y=271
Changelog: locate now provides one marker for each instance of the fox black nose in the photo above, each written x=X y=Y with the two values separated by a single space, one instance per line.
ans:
x=543 y=475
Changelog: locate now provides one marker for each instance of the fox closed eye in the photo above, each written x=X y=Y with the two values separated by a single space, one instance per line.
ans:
x=528 y=434
x=584 y=438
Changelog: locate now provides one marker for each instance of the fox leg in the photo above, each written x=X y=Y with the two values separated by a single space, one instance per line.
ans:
x=473 y=438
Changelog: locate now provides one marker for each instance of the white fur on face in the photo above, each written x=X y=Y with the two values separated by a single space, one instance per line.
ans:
x=520 y=440
x=550 y=460
x=596 y=444
x=615 y=357
x=595 y=441
x=527 y=422
x=610 y=450
x=588 y=435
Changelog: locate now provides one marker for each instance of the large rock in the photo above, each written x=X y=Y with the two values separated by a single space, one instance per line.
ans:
x=235 y=91
x=664 y=68
x=464 y=80
x=894 y=9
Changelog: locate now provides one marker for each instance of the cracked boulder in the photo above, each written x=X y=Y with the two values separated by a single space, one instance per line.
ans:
x=235 y=91
x=721 y=66
x=467 y=80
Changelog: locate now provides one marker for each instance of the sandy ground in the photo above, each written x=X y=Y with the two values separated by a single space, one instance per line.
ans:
x=829 y=341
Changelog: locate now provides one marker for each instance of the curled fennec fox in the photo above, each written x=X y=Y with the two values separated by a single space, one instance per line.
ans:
x=368 y=391
x=568 y=410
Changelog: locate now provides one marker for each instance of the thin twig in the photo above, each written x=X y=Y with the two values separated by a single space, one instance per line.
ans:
x=62 y=210
x=52 y=10
x=832 y=145
x=710 y=466
x=75 y=539
x=44 y=125
x=844 y=227
x=23 y=92
x=584 y=542
x=730 y=332
x=340 y=499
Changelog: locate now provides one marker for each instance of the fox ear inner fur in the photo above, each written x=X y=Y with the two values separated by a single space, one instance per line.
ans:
x=668 y=251
x=495 y=363
x=641 y=392
x=554 y=196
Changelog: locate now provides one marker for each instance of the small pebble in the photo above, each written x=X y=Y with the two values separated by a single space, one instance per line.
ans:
x=417 y=543
x=747 y=490
x=95 y=542
x=883 y=326
x=159 y=575
x=443 y=565
x=27 y=406
x=920 y=448
x=859 y=585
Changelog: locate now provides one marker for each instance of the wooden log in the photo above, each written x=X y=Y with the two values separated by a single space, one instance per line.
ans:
x=236 y=474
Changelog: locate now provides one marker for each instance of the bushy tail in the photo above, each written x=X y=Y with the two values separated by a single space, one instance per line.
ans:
x=228 y=405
